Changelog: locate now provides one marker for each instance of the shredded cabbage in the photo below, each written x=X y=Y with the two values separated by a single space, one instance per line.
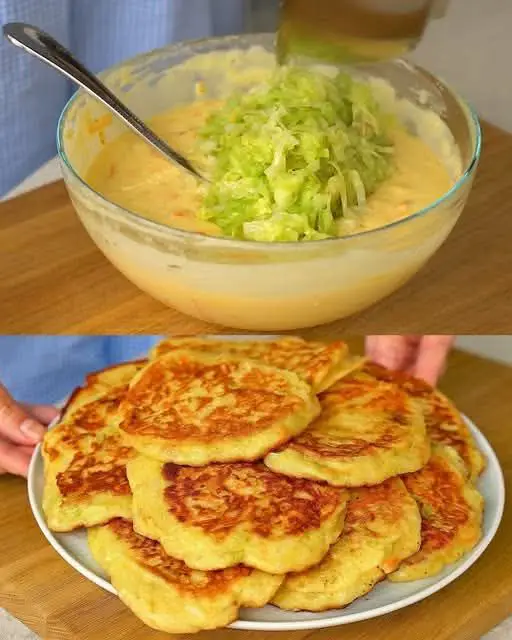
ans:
x=292 y=156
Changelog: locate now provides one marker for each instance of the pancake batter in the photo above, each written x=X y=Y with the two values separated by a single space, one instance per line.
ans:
x=136 y=177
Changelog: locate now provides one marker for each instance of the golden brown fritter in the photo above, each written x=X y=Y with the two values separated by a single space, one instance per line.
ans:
x=221 y=515
x=164 y=593
x=194 y=408
x=317 y=363
x=444 y=423
x=451 y=511
x=382 y=527
x=85 y=456
x=115 y=375
x=365 y=434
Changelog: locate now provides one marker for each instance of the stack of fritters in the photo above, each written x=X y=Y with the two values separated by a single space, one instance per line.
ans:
x=218 y=475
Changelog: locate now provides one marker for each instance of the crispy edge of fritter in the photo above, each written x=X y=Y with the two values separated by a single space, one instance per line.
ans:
x=340 y=367
x=476 y=462
x=160 y=605
x=467 y=536
x=326 y=589
x=60 y=514
x=204 y=551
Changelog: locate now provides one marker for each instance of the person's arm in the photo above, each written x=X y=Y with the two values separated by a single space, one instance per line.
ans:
x=421 y=356
x=21 y=428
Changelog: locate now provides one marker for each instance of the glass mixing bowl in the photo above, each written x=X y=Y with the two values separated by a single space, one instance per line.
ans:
x=249 y=285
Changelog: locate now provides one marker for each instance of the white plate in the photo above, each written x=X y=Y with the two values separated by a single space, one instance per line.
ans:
x=384 y=598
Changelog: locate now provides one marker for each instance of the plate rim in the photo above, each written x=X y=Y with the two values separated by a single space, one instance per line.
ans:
x=318 y=623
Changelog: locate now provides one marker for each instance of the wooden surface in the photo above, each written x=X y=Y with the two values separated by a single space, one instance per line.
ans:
x=54 y=280
x=56 y=602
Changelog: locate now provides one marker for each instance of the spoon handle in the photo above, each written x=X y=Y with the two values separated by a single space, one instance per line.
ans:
x=43 y=46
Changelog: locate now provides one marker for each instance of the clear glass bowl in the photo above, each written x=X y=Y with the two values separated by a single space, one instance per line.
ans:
x=248 y=285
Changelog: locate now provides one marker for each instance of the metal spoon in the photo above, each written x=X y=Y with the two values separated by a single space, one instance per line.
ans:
x=43 y=46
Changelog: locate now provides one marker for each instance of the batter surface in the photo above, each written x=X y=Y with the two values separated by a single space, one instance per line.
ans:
x=130 y=173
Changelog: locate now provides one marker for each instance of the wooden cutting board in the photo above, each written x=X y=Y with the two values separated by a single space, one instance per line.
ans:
x=54 y=280
x=38 y=587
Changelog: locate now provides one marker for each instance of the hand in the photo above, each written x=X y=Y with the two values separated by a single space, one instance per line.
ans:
x=21 y=428
x=422 y=356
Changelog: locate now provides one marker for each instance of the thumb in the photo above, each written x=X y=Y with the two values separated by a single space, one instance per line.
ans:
x=16 y=424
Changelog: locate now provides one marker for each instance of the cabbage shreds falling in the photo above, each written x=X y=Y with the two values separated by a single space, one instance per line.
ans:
x=290 y=157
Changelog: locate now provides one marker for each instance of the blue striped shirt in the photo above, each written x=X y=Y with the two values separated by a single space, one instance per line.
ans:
x=45 y=369
x=100 y=33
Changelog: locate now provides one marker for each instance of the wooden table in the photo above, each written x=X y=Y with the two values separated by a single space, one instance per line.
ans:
x=38 y=587
x=54 y=280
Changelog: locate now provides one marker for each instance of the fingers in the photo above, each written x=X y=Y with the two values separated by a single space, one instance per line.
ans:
x=390 y=351
x=16 y=425
x=43 y=413
x=431 y=358
x=14 y=458
x=21 y=428
x=421 y=356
